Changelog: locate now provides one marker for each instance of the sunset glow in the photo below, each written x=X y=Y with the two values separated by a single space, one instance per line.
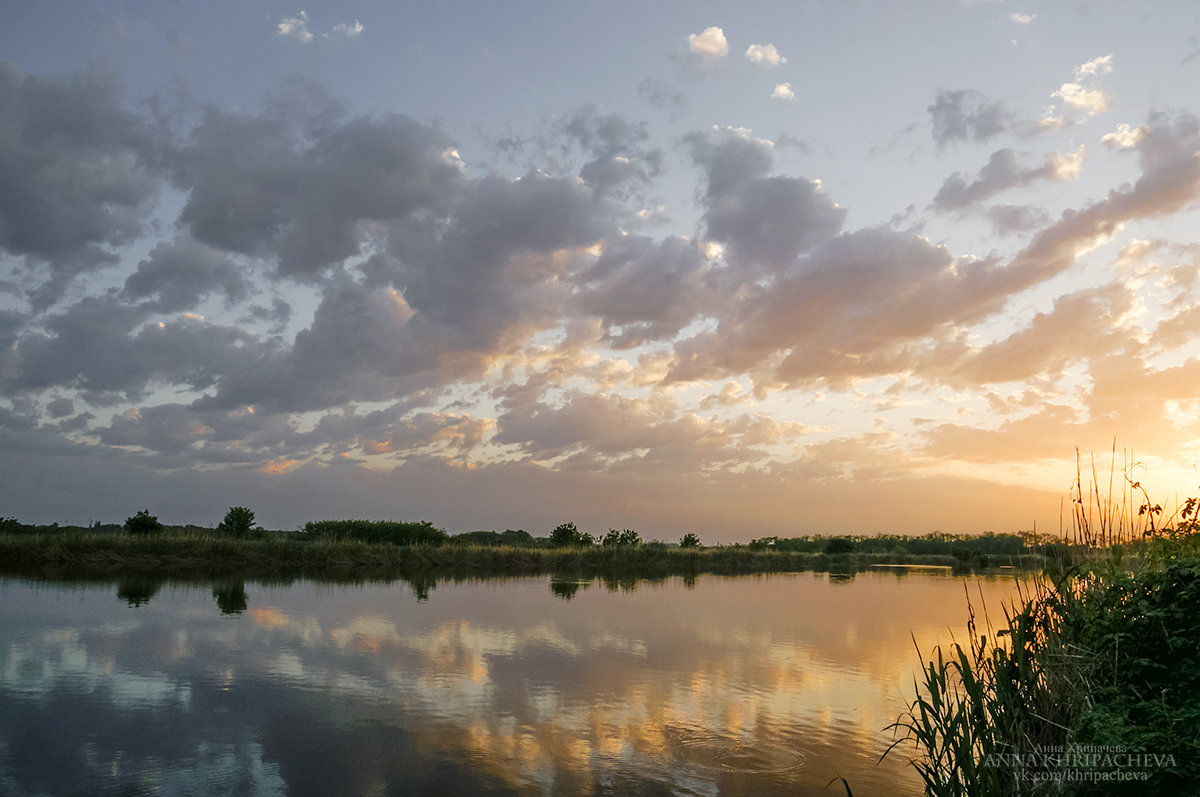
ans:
x=830 y=268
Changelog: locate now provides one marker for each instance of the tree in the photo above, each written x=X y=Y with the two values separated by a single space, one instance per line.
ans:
x=689 y=540
x=238 y=522
x=566 y=534
x=627 y=537
x=837 y=546
x=143 y=523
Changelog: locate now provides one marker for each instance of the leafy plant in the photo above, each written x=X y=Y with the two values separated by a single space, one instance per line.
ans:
x=238 y=522
x=566 y=534
x=689 y=540
x=626 y=538
x=143 y=523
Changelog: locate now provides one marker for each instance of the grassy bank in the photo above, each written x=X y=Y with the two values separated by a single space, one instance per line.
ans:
x=192 y=553
x=1089 y=683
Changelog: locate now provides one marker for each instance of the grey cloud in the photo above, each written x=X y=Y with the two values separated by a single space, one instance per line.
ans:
x=100 y=345
x=664 y=96
x=182 y=273
x=1012 y=219
x=603 y=430
x=862 y=305
x=652 y=288
x=258 y=187
x=1081 y=325
x=60 y=407
x=456 y=292
x=1169 y=152
x=1003 y=171
x=76 y=172
x=966 y=115
x=766 y=221
x=621 y=161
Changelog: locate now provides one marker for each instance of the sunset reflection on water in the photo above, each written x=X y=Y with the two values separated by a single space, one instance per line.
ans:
x=738 y=685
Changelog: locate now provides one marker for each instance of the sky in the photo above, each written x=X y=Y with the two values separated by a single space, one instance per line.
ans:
x=781 y=269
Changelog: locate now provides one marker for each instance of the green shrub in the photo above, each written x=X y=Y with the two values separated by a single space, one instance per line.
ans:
x=839 y=545
x=238 y=522
x=143 y=523
x=689 y=540
x=565 y=534
x=627 y=538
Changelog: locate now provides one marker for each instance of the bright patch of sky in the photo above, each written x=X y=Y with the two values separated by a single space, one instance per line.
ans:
x=501 y=265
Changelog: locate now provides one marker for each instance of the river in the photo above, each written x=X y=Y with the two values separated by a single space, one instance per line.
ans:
x=774 y=684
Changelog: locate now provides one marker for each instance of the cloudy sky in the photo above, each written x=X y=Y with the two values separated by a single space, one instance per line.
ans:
x=793 y=268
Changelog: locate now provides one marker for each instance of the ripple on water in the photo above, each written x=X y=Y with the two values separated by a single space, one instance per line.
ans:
x=719 y=752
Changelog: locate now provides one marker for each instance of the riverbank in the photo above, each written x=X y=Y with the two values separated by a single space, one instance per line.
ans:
x=269 y=555
x=1088 y=685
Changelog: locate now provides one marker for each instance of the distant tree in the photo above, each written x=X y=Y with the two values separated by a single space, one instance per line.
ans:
x=839 y=545
x=566 y=534
x=626 y=537
x=689 y=540
x=238 y=522
x=143 y=523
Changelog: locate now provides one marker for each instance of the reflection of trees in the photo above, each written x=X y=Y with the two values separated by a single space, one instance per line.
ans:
x=566 y=588
x=421 y=585
x=231 y=597
x=137 y=590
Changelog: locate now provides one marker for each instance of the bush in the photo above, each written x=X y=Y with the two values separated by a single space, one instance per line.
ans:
x=143 y=523
x=689 y=540
x=565 y=534
x=238 y=522
x=380 y=531
x=625 y=538
x=839 y=545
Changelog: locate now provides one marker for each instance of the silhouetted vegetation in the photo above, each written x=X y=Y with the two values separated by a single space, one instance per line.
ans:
x=377 y=531
x=390 y=549
x=566 y=534
x=143 y=523
x=1089 y=685
x=625 y=537
x=517 y=537
x=238 y=522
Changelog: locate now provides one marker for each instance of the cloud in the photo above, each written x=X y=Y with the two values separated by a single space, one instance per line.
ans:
x=783 y=92
x=1022 y=19
x=80 y=173
x=709 y=44
x=295 y=28
x=647 y=289
x=621 y=161
x=765 y=221
x=1080 y=97
x=965 y=115
x=1002 y=172
x=1124 y=137
x=345 y=31
x=1013 y=219
x=664 y=96
x=182 y=273
x=256 y=187
x=764 y=55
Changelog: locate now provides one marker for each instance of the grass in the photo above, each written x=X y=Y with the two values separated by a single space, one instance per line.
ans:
x=197 y=552
x=1089 y=684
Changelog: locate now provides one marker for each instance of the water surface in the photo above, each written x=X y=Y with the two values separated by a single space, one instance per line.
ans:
x=720 y=685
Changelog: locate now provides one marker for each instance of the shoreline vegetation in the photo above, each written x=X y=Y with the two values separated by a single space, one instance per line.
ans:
x=1088 y=683
x=383 y=550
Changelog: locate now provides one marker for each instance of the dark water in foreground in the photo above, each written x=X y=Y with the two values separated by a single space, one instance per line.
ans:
x=728 y=685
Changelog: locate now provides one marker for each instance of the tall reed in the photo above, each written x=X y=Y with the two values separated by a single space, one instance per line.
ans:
x=1099 y=652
